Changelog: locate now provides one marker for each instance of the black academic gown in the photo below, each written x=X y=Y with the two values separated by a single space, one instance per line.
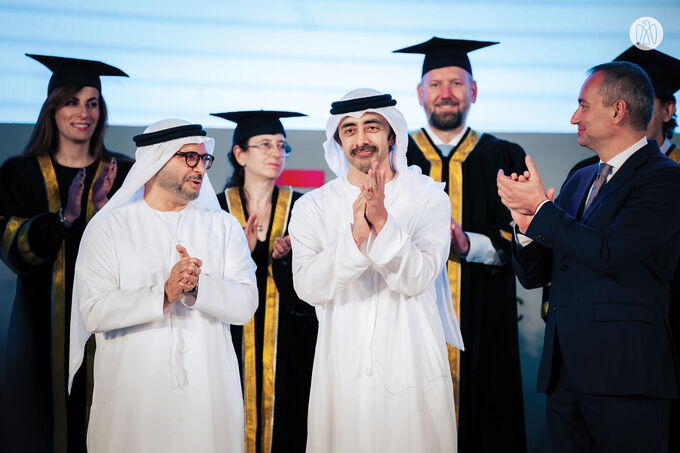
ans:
x=489 y=403
x=36 y=413
x=284 y=337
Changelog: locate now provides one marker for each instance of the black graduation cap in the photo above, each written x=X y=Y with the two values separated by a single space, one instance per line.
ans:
x=663 y=70
x=74 y=70
x=250 y=123
x=440 y=52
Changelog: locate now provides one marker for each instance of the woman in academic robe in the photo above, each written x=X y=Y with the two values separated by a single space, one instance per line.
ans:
x=276 y=348
x=47 y=195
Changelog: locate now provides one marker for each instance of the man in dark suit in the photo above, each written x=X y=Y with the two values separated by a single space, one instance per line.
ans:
x=664 y=72
x=609 y=244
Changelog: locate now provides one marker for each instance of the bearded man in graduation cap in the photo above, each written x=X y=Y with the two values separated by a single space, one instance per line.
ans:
x=47 y=196
x=369 y=250
x=161 y=274
x=486 y=378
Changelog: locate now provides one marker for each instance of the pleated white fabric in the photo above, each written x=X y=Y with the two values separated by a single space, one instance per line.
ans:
x=381 y=378
x=164 y=380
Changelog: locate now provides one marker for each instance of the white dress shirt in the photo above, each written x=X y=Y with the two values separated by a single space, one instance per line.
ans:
x=481 y=248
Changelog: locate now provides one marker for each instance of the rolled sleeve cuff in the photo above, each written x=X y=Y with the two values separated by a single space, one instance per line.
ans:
x=356 y=255
x=157 y=310
x=540 y=206
x=523 y=240
x=387 y=243
x=481 y=250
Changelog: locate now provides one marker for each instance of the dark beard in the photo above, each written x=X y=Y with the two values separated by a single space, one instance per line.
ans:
x=189 y=196
x=177 y=189
x=446 y=121
x=360 y=164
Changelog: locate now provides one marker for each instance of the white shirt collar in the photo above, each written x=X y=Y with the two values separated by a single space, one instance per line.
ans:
x=617 y=161
x=437 y=141
x=664 y=146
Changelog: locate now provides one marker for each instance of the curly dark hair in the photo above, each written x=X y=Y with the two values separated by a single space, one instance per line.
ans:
x=670 y=125
x=238 y=177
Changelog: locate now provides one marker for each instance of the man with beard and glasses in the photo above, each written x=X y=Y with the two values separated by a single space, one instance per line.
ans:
x=486 y=378
x=161 y=274
x=369 y=250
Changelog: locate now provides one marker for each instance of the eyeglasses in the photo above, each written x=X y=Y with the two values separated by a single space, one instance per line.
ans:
x=267 y=148
x=192 y=158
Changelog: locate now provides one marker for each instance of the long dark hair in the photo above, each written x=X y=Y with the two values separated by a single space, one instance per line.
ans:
x=45 y=134
x=238 y=177
x=669 y=126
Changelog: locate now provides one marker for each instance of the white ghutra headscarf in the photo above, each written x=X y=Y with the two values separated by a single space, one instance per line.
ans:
x=335 y=156
x=150 y=159
x=156 y=146
x=369 y=100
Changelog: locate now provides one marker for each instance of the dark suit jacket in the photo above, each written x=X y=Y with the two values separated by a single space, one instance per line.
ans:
x=611 y=272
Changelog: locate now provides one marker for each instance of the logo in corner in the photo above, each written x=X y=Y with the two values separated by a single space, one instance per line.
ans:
x=646 y=33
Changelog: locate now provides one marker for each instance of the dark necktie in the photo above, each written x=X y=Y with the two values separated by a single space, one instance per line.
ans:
x=600 y=181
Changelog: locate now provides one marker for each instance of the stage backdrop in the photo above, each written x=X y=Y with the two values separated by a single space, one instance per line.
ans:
x=188 y=59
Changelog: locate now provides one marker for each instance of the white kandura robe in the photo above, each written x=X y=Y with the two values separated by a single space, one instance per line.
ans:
x=381 y=380
x=164 y=382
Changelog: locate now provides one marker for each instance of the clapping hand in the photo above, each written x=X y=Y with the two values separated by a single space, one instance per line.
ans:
x=102 y=185
x=460 y=243
x=251 y=232
x=281 y=247
x=75 y=195
x=373 y=192
x=522 y=194
x=360 y=226
x=183 y=277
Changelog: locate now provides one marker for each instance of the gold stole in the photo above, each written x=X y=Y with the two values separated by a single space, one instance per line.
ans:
x=59 y=310
x=457 y=157
x=674 y=154
x=11 y=229
x=271 y=320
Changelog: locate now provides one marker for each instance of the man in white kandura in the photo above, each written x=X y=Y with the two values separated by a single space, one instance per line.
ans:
x=369 y=249
x=161 y=273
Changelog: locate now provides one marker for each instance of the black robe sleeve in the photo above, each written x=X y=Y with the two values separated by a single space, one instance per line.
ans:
x=483 y=211
x=31 y=235
x=414 y=156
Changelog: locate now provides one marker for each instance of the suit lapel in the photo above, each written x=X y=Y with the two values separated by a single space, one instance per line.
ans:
x=574 y=192
x=579 y=200
x=623 y=175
